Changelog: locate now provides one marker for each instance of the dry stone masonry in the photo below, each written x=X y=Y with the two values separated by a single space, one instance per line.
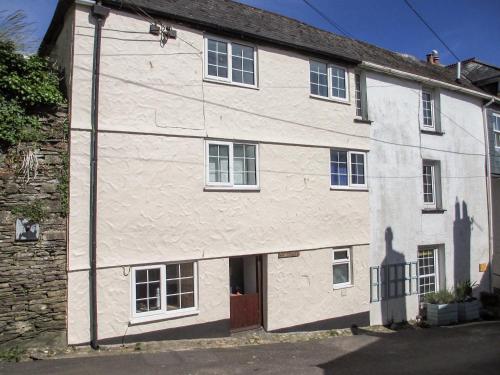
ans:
x=33 y=274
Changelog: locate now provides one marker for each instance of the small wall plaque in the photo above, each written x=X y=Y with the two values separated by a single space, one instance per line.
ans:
x=27 y=230
x=289 y=254
x=483 y=267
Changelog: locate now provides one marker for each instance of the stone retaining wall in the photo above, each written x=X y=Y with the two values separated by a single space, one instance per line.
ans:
x=33 y=274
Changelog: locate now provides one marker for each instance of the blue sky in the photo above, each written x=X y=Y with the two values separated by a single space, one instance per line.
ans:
x=470 y=27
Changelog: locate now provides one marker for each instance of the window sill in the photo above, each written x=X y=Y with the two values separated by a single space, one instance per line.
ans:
x=362 y=121
x=162 y=316
x=342 y=286
x=228 y=83
x=433 y=210
x=365 y=189
x=253 y=189
x=334 y=100
x=431 y=132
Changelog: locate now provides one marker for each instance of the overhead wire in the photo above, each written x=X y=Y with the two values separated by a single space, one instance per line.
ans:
x=328 y=19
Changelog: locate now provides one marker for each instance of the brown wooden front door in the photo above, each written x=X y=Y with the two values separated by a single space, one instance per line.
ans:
x=245 y=298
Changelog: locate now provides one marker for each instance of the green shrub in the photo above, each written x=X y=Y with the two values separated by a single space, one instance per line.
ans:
x=28 y=85
x=440 y=298
x=463 y=290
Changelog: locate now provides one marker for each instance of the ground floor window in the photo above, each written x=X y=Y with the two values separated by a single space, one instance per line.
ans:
x=164 y=289
x=341 y=268
x=427 y=271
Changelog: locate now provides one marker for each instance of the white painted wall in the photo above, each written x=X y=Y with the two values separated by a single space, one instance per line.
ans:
x=156 y=112
x=300 y=289
x=396 y=197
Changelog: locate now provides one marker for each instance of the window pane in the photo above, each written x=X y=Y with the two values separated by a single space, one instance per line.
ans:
x=340 y=255
x=154 y=275
x=172 y=271
x=141 y=276
x=496 y=122
x=358 y=95
x=223 y=151
x=338 y=82
x=187 y=300
x=147 y=290
x=141 y=306
x=243 y=64
x=338 y=168
x=340 y=273
x=173 y=286
x=154 y=290
x=250 y=151
x=357 y=169
x=319 y=78
x=154 y=304
x=187 y=269
x=217 y=58
x=173 y=302
x=187 y=285
x=427 y=108
x=141 y=291
x=497 y=139
x=238 y=151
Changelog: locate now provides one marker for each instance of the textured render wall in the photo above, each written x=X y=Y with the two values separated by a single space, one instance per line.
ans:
x=300 y=290
x=114 y=296
x=152 y=207
x=33 y=274
x=173 y=167
x=396 y=197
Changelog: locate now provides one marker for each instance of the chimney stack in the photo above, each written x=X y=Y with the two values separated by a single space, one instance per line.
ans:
x=433 y=57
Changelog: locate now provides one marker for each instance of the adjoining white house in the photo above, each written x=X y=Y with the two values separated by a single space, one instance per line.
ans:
x=233 y=168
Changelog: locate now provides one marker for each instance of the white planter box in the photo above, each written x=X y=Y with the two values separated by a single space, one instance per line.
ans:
x=441 y=315
x=468 y=311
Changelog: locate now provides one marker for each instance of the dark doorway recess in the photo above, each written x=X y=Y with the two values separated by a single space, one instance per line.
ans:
x=245 y=278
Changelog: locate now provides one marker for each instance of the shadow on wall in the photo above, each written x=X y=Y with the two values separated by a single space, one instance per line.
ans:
x=462 y=233
x=462 y=229
x=393 y=304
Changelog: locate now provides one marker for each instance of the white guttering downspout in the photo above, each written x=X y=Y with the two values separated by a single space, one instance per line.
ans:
x=430 y=81
x=488 y=192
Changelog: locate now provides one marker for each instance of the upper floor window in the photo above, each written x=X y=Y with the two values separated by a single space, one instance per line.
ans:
x=231 y=164
x=360 y=96
x=431 y=110
x=328 y=81
x=357 y=91
x=347 y=169
x=431 y=183
x=428 y=109
x=230 y=62
x=496 y=128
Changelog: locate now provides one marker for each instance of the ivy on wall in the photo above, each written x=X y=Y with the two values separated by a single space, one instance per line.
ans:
x=28 y=85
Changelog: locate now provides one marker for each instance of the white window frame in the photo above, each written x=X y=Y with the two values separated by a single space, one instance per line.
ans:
x=431 y=92
x=436 y=269
x=350 y=185
x=140 y=317
x=496 y=133
x=358 y=97
x=347 y=261
x=329 y=67
x=432 y=165
x=230 y=184
x=229 y=79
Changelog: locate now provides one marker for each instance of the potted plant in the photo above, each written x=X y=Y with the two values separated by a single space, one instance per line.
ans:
x=468 y=306
x=441 y=308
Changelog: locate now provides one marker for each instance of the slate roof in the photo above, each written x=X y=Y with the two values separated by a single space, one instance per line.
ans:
x=477 y=70
x=229 y=17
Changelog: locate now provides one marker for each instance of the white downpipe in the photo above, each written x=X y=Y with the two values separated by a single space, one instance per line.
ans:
x=488 y=193
x=459 y=70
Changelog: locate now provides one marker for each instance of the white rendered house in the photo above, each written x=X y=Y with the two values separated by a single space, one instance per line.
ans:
x=239 y=160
